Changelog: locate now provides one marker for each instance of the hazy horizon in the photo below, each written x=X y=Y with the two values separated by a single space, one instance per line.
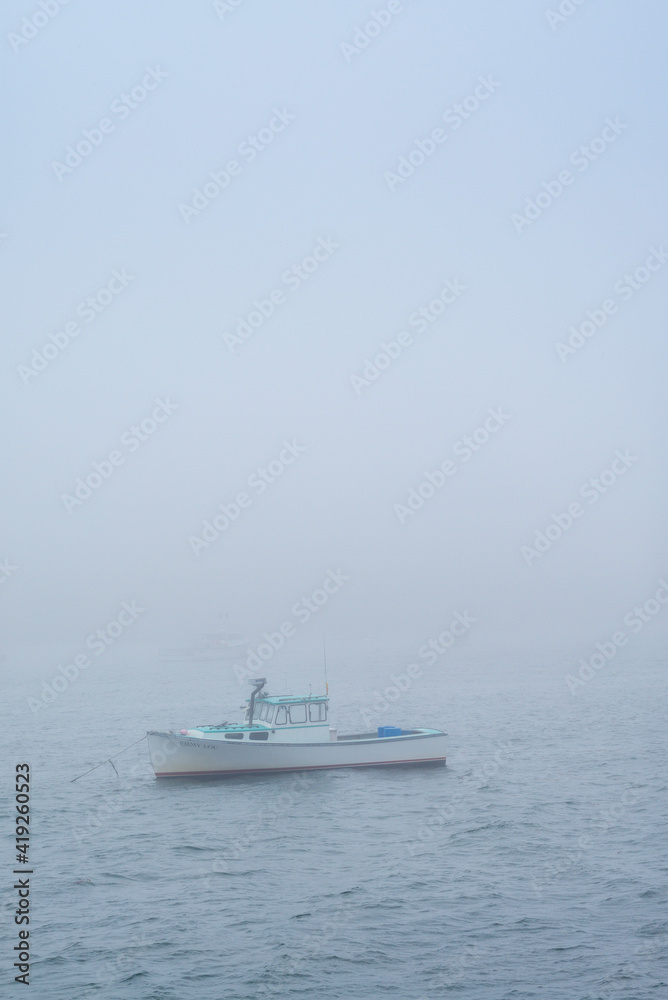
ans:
x=378 y=197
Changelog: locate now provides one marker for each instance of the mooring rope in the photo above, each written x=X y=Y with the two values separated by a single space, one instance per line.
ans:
x=109 y=760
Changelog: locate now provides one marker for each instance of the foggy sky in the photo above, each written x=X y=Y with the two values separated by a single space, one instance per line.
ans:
x=388 y=248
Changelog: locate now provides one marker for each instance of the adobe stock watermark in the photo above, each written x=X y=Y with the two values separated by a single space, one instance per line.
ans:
x=98 y=642
x=293 y=278
x=303 y=610
x=33 y=24
x=258 y=481
x=6 y=570
x=420 y=320
x=223 y=7
x=131 y=440
x=470 y=956
x=581 y=158
x=429 y=651
x=311 y=945
x=472 y=782
x=454 y=116
x=121 y=107
x=267 y=813
x=122 y=796
x=592 y=491
x=463 y=449
x=635 y=620
x=88 y=310
x=626 y=287
x=123 y=965
x=565 y=10
x=603 y=821
x=248 y=149
x=365 y=33
x=648 y=949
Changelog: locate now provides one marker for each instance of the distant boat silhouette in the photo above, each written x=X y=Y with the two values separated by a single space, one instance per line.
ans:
x=220 y=645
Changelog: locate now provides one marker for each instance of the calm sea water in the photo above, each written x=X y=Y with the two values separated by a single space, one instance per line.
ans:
x=529 y=867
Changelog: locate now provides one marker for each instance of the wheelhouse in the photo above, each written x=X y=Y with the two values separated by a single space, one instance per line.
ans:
x=282 y=712
x=279 y=719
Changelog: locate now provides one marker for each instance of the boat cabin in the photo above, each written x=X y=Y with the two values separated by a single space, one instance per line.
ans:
x=278 y=719
x=300 y=719
x=291 y=712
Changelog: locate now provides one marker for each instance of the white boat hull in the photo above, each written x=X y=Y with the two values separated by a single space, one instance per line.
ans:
x=174 y=755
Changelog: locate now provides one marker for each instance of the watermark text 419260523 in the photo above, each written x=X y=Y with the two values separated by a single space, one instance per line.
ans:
x=22 y=885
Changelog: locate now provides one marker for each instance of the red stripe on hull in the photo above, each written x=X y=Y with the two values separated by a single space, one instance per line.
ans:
x=312 y=767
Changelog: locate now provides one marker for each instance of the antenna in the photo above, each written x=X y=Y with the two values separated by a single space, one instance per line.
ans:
x=324 y=655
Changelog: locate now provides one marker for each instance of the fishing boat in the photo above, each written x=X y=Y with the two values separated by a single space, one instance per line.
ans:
x=286 y=733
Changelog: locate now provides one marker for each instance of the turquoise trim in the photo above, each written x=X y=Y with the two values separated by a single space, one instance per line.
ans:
x=256 y=729
x=315 y=725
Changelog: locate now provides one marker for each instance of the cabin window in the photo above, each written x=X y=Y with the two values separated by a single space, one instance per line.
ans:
x=258 y=736
x=262 y=714
x=281 y=716
x=297 y=713
x=317 y=711
x=270 y=713
x=234 y=736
